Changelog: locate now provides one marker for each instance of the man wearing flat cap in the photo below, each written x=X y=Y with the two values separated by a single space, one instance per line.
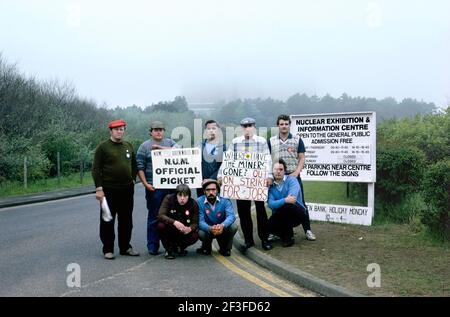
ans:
x=114 y=173
x=153 y=196
x=250 y=142
x=216 y=219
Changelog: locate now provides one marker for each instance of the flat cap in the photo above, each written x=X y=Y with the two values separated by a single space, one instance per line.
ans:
x=116 y=124
x=157 y=125
x=246 y=121
x=208 y=181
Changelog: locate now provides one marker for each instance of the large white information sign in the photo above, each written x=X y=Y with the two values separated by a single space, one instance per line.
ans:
x=172 y=167
x=339 y=147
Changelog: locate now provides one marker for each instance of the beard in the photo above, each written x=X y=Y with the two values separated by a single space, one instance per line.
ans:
x=211 y=199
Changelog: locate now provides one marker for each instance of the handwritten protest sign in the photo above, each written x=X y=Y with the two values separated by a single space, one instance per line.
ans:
x=172 y=167
x=244 y=175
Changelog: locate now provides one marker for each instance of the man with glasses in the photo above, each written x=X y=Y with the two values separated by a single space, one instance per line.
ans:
x=216 y=219
x=250 y=142
x=291 y=150
x=114 y=173
x=153 y=196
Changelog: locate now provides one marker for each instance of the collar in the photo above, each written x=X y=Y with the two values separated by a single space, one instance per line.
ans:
x=280 y=183
x=207 y=202
x=289 y=136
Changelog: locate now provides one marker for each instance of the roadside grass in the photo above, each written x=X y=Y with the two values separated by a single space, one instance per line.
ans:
x=8 y=189
x=412 y=262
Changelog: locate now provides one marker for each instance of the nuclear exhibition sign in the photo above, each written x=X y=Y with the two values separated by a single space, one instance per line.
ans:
x=340 y=147
x=172 y=167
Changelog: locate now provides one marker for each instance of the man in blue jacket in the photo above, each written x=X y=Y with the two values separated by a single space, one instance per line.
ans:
x=286 y=202
x=216 y=219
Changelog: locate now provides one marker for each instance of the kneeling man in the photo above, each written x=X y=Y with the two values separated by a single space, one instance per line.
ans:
x=285 y=200
x=216 y=219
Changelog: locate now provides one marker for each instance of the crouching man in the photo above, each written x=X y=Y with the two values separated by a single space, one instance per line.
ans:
x=178 y=222
x=285 y=200
x=216 y=219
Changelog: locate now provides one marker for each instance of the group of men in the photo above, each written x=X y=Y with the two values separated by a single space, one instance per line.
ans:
x=178 y=220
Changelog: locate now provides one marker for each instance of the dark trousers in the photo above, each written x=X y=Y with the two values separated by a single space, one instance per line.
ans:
x=172 y=238
x=154 y=200
x=225 y=240
x=120 y=202
x=244 y=207
x=285 y=219
x=307 y=223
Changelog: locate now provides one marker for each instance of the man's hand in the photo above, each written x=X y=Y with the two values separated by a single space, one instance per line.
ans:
x=149 y=187
x=187 y=230
x=156 y=147
x=290 y=199
x=219 y=180
x=179 y=226
x=269 y=181
x=217 y=229
x=99 y=194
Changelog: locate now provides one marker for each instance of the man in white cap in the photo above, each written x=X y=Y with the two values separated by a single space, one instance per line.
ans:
x=250 y=142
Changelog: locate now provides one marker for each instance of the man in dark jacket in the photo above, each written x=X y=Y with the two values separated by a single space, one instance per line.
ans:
x=212 y=152
x=114 y=173
x=178 y=222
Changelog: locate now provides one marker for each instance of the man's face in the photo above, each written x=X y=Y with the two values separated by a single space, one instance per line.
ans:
x=211 y=131
x=182 y=199
x=249 y=130
x=157 y=134
x=278 y=171
x=283 y=126
x=211 y=192
x=117 y=133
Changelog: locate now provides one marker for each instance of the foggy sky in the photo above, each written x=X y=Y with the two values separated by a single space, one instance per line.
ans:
x=142 y=52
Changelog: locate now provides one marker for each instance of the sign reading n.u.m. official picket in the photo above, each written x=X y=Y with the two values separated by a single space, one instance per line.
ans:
x=245 y=175
x=339 y=147
x=172 y=167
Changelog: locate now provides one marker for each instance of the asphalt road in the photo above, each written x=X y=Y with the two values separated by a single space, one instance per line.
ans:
x=39 y=241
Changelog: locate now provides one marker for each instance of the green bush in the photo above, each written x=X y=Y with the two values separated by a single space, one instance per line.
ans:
x=399 y=172
x=436 y=190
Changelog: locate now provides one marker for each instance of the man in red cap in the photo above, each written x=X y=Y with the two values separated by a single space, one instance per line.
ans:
x=114 y=171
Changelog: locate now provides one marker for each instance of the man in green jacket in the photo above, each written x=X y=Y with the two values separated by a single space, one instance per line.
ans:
x=114 y=172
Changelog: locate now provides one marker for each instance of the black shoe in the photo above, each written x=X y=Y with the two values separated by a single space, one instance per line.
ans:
x=225 y=252
x=288 y=243
x=182 y=252
x=248 y=245
x=153 y=252
x=266 y=245
x=170 y=255
x=203 y=251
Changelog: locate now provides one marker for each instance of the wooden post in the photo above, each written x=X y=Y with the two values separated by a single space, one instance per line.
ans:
x=81 y=171
x=25 y=172
x=58 y=167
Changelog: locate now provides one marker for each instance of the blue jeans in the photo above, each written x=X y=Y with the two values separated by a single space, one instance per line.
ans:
x=154 y=200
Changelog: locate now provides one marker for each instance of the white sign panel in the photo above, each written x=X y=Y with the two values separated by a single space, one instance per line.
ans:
x=341 y=214
x=339 y=147
x=172 y=167
x=244 y=175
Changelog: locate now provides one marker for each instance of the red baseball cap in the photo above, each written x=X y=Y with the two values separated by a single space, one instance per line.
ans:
x=116 y=124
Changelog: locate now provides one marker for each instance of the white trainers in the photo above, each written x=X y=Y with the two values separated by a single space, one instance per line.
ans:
x=109 y=256
x=310 y=236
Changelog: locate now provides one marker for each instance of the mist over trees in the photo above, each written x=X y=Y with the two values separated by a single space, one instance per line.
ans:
x=265 y=111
